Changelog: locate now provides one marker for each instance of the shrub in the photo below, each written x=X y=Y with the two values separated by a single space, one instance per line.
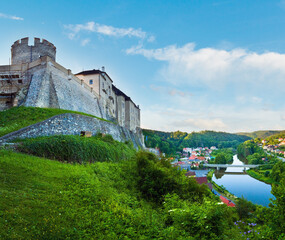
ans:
x=156 y=178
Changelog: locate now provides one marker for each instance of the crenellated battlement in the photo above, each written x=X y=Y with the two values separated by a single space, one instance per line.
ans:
x=22 y=52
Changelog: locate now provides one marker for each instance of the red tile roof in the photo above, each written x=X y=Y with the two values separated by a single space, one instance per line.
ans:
x=226 y=201
x=201 y=180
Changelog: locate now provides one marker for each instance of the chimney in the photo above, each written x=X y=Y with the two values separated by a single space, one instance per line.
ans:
x=103 y=69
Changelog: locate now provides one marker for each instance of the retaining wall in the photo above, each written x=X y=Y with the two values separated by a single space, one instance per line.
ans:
x=73 y=124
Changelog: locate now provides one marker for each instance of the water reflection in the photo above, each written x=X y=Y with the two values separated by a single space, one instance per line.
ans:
x=240 y=184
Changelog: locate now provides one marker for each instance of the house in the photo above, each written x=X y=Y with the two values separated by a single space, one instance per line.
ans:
x=193 y=157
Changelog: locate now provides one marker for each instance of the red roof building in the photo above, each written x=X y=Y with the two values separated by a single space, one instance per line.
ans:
x=227 y=202
x=201 y=180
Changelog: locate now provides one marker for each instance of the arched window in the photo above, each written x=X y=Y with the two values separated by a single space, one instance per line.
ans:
x=90 y=81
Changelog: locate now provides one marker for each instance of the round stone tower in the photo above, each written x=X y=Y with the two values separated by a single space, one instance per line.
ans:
x=23 y=53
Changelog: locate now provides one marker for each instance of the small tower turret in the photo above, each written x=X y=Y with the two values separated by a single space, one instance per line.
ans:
x=21 y=52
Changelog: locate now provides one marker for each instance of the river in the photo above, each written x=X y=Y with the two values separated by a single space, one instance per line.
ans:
x=244 y=185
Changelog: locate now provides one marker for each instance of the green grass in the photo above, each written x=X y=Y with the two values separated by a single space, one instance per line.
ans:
x=259 y=175
x=19 y=117
x=45 y=199
x=76 y=149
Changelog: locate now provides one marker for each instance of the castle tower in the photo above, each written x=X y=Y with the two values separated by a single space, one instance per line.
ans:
x=23 y=53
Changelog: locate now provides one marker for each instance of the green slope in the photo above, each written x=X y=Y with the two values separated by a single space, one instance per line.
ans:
x=45 y=199
x=261 y=134
x=18 y=117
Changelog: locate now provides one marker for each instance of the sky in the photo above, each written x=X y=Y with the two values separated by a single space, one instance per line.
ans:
x=190 y=65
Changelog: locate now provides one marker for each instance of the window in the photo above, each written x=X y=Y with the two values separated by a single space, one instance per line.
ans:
x=90 y=81
x=20 y=81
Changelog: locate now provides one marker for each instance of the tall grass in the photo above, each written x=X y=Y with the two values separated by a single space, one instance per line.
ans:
x=76 y=149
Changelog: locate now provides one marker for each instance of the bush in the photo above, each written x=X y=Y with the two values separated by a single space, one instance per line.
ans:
x=266 y=174
x=156 y=178
x=244 y=207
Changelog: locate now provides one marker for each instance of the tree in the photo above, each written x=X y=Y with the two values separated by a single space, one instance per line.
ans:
x=221 y=159
x=244 y=208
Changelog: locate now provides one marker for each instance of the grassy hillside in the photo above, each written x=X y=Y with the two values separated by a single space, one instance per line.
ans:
x=118 y=195
x=260 y=134
x=18 y=117
x=44 y=199
x=170 y=142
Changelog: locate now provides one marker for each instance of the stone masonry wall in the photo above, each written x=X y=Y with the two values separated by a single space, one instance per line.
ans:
x=23 y=53
x=73 y=124
x=52 y=88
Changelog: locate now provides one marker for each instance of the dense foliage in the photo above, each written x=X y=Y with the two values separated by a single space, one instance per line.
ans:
x=278 y=171
x=272 y=140
x=248 y=148
x=222 y=156
x=260 y=134
x=171 y=142
x=78 y=149
x=250 y=152
x=156 y=178
x=18 y=117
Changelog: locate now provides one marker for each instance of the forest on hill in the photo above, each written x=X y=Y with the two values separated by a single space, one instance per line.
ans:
x=171 y=142
x=261 y=134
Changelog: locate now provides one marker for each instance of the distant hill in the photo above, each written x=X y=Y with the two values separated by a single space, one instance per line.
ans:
x=171 y=142
x=261 y=134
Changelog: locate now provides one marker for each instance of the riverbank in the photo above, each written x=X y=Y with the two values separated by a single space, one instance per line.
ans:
x=220 y=189
x=260 y=177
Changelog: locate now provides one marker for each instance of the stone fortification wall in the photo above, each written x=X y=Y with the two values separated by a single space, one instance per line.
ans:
x=23 y=53
x=73 y=124
x=52 y=86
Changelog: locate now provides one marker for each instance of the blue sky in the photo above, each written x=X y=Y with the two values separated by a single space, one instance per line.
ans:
x=190 y=65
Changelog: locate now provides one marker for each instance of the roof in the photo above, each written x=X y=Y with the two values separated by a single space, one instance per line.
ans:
x=227 y=202
x=94 y=71
x=201 y=180
x=118 y=92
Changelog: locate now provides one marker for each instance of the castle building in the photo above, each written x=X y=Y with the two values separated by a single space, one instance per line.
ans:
x=35 y=79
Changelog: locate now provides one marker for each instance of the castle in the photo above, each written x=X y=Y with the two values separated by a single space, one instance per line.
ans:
x=35 y=79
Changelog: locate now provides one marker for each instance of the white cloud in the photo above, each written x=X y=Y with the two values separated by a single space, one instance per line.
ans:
x=208 y=117
x=170 y=91
x=216 y=68
x=85 y=41
x=197 y=123
x=108 y=31
x=2 y=15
